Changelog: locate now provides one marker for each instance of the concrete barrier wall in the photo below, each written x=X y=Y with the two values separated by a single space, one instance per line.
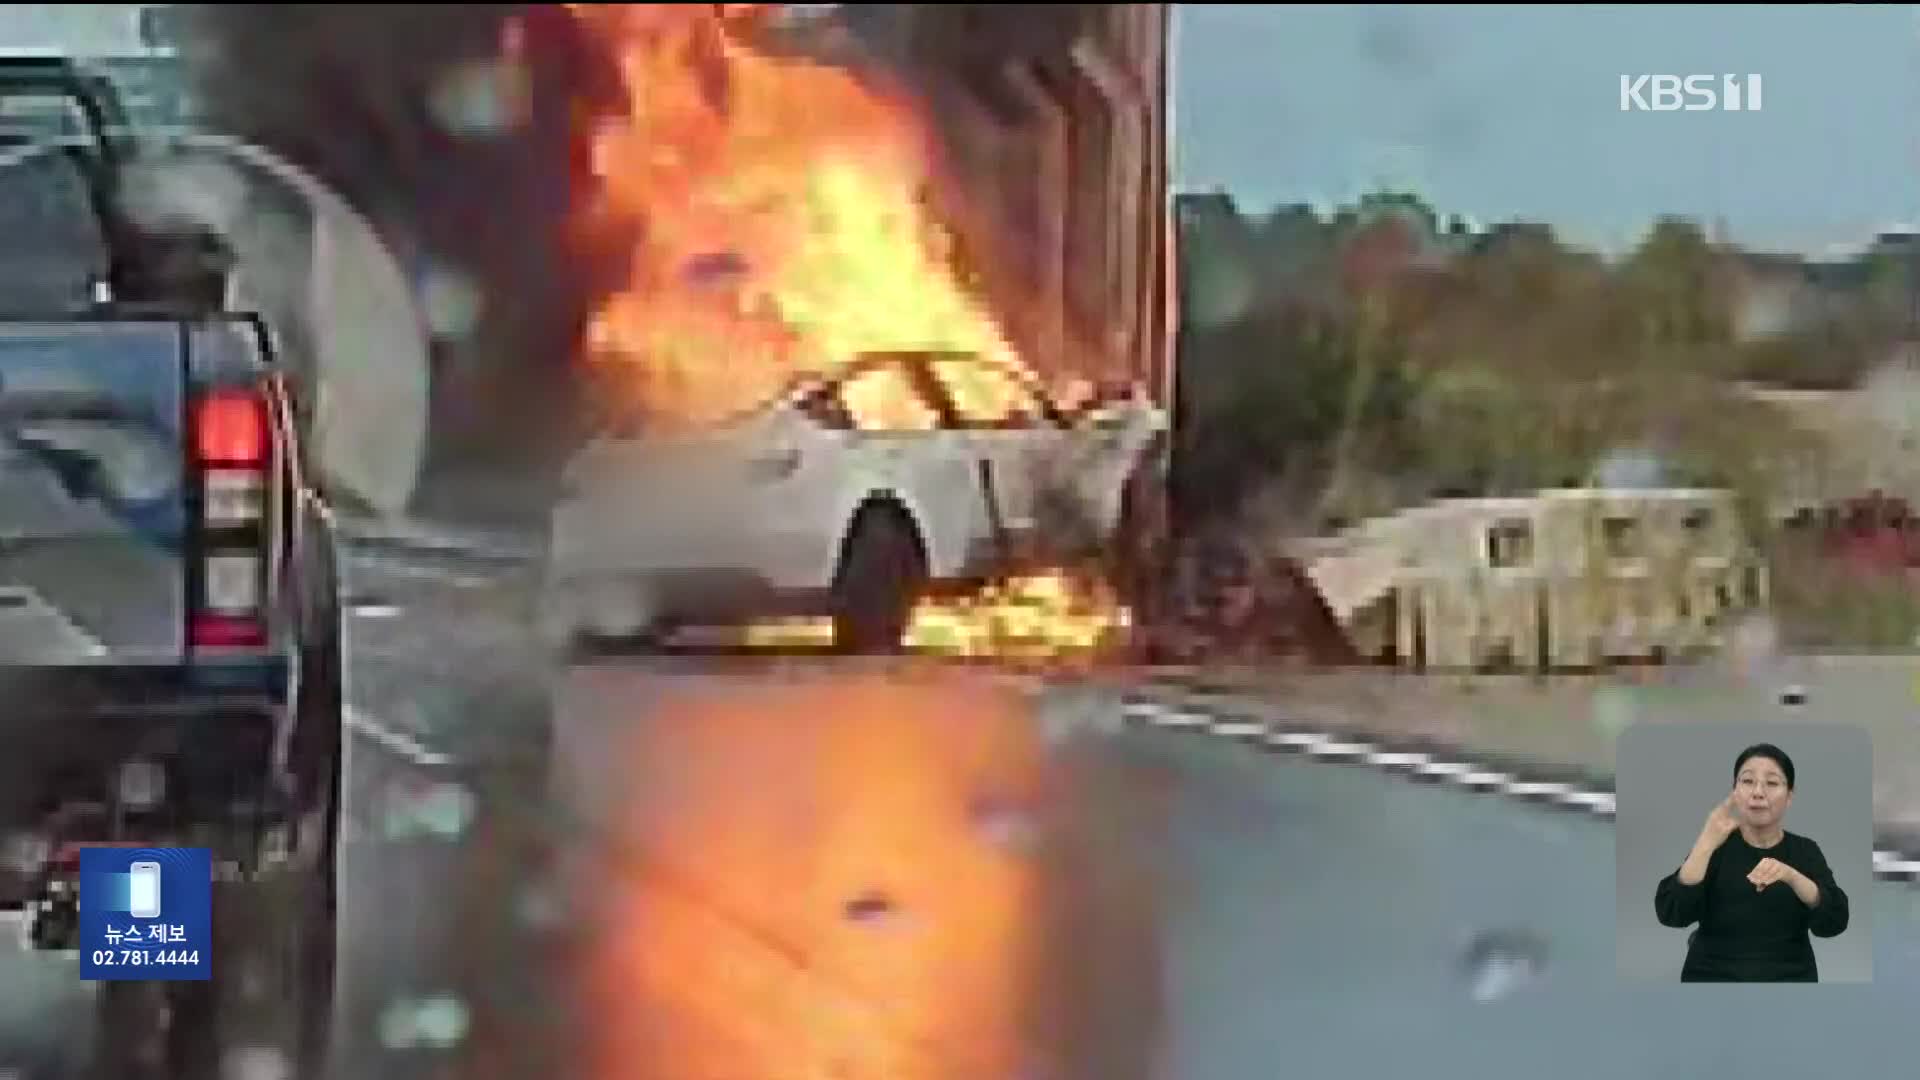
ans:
x=1584 y=577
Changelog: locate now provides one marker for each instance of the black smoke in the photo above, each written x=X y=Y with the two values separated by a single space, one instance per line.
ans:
x=348 y=92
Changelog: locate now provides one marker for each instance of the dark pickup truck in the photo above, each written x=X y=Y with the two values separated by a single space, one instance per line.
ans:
x=170 y=660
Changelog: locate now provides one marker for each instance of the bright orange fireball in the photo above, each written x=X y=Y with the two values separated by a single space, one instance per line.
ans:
x=777 y=210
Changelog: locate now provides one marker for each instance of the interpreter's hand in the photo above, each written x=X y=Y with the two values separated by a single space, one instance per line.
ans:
x=1722 y=822
x=1768 y=871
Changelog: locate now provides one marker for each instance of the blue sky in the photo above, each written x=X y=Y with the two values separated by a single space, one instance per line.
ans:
x=1502 y=112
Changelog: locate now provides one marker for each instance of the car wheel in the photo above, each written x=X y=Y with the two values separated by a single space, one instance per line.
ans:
x=882 y=570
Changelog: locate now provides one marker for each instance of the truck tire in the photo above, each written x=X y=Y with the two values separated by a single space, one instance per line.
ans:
x=272 y=987
x=131 y=1033
x=322 y=710
x=882 y=570
x=308 y=925
x=278 y=928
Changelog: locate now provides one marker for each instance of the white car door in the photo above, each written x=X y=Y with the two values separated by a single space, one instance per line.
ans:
x=1012 y=433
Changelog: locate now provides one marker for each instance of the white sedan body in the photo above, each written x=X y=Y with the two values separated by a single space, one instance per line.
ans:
x=770 y=498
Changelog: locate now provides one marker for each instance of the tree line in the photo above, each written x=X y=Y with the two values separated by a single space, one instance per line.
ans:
x=1333 y=366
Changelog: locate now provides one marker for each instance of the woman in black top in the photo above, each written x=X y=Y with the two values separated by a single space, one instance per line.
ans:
x=1756 y=890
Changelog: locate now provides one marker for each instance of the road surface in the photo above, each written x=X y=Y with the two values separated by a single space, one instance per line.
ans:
x=692 y=868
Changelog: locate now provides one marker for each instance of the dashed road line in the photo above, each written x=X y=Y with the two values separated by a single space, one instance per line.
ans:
x=1891 y=864
x=1175 y=718
x=1169 y=709
x=399 y=742
x=399 y=566
x=1294 y=740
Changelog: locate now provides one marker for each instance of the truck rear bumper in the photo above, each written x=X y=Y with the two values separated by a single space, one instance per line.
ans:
x=69 y=733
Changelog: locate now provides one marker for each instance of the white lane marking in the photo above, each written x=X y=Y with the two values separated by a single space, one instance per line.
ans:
x=1536 y=787
x=387 y=564
x=1330 y=748
x=1886 y=864
x=1295 y=738
x=28 y=597
x=1487 y=779
x=1889 y=862
x=399 y=742
x=1598 y=801
x=376 y=611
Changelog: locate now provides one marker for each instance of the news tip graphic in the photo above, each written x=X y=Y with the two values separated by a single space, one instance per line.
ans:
x=146 y=913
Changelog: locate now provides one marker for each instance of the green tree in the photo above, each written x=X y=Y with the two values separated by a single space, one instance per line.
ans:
x=1265 y=400
x=1676 y=284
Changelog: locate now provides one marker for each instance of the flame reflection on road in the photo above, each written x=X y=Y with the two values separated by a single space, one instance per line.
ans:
x=867 y=877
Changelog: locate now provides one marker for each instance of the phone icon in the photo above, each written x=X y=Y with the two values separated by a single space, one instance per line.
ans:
x=143 y=890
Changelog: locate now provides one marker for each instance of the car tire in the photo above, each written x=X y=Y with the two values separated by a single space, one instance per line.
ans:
x=882 y=570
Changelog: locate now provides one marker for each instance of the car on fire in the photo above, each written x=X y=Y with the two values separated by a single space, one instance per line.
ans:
x=852 y=495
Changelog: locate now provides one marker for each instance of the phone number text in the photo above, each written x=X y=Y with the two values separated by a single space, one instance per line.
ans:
x=138 y=958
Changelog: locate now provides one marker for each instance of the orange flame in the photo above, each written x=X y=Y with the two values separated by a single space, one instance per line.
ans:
x=780 y=227
x=778 y=214
x=1038 y=616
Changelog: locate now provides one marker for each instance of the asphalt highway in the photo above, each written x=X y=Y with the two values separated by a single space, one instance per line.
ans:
x=700 y=867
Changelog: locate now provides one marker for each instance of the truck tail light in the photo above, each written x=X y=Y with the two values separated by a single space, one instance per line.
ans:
x=230 y=429
x=231 y=439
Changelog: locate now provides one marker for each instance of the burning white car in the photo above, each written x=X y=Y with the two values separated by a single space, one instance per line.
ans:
x=850 y=495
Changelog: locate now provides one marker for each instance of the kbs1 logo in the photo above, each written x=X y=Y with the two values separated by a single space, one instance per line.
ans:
x=1689 y=93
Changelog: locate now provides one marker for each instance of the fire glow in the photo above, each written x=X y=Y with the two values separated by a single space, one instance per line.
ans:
x=1034 y=617
x=777 y=215
x=779 y=226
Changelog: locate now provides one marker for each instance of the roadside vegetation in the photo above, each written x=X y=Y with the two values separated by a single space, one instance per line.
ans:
x=1340 y=366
